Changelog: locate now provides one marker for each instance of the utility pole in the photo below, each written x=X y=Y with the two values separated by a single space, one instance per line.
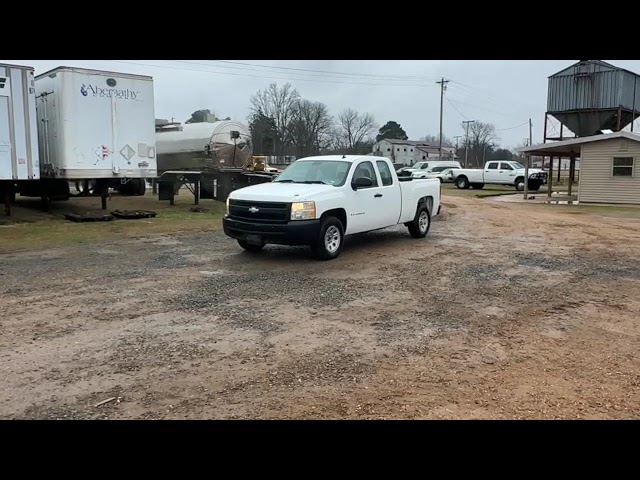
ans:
x=443 y=87
x=466 y=142
x=456 y=152
x=530 y=133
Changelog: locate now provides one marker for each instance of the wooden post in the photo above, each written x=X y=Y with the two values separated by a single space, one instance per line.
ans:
x=196 y=192
x=572 y=170
x=154 y=186
x=527 y=159
x=104 y=200
x=559 y=168
x=550 y=179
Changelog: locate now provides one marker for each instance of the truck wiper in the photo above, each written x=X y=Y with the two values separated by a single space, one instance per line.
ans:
x=283 y=181
x=314 y=181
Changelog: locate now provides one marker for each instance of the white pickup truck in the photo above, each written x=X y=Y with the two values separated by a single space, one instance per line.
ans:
x=316 y=201
x=499 y=172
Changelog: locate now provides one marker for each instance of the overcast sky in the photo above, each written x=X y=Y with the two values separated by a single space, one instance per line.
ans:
x=506 y=92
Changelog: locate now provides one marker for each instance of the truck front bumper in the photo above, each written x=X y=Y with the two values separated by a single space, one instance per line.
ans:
x=299 y=232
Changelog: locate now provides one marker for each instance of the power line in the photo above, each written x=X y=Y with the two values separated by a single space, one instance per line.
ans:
x=400 y=77
x=324 y=75
x=456 y=108
x=262 y=76
x=511 y=128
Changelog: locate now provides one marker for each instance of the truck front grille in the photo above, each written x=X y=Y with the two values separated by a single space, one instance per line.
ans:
x=262 y=212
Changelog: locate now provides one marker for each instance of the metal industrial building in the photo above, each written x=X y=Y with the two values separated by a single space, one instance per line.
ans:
x=594 y=101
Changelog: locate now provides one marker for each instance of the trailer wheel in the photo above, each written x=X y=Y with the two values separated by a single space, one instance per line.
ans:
x=478 y=186
x=330 y=240
x=142 y=187
x=420 y=225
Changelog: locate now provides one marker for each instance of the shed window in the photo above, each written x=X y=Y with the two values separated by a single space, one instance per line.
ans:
x=623 y=166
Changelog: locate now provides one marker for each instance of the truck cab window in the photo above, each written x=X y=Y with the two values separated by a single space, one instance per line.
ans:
x=385 y=173
x=492 y=166
x=365 y=169
x=505 y=166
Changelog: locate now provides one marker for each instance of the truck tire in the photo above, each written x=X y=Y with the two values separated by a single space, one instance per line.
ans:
x=330 y=239
x=462 y=183
x=249 y=247
x=519 y=184
x=420 y=225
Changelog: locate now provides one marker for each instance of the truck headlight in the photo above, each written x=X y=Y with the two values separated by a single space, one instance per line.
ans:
x=303 y=211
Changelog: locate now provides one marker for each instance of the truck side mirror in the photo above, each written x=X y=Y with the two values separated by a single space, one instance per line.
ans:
x=361 y=182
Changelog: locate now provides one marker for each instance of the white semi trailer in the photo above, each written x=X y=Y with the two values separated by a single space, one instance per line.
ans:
x=95 y=129
x=18 y=129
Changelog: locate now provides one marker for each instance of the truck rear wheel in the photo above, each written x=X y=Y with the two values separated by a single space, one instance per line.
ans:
x=419 y=227
x=330 y=239
x=462 y=183
x=519 y=184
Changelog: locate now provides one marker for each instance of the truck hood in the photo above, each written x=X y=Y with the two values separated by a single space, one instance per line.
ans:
x=280 y=192
x=520 y=171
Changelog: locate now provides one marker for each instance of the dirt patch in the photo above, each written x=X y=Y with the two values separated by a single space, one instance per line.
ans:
x=486 y=318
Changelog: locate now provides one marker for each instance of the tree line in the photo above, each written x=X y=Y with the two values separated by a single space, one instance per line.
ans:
x=282 y=122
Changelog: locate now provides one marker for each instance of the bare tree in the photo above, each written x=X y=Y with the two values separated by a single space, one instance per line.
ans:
x=310 y=128
x=353 y=129
x=277 y=103
x=481 y=142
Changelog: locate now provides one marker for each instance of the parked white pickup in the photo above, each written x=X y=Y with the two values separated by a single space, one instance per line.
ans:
x=316 y=201
x=500 y=172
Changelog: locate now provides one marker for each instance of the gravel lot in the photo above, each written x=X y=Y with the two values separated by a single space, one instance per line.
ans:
x=504 y=311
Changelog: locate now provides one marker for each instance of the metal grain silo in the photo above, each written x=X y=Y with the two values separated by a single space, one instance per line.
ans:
x=591 y=96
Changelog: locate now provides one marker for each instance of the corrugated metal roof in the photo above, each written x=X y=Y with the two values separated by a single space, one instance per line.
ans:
x=569 y=70
x=564 y=146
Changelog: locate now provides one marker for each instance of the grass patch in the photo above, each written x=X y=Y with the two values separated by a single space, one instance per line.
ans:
x=604 y=210
x=29 y=228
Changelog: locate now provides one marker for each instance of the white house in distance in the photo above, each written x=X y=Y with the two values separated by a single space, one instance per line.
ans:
x=609 y=165
x=409 y=152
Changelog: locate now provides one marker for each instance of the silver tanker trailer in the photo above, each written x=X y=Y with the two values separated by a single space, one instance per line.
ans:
x=218 y=153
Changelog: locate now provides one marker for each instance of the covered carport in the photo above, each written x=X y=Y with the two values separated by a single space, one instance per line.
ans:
x=563 y=149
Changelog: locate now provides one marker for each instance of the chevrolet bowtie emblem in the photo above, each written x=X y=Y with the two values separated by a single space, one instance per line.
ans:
x=254 y=210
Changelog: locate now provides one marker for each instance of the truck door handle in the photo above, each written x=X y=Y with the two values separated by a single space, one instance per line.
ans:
x=378 y=195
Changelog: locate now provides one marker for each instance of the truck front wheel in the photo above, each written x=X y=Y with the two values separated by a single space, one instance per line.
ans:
x=330 y=239
x=462 y=183
x=250 y=247
x=419 y=227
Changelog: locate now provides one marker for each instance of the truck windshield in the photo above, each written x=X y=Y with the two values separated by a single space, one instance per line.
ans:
x=316 y=171
x=517 y=164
